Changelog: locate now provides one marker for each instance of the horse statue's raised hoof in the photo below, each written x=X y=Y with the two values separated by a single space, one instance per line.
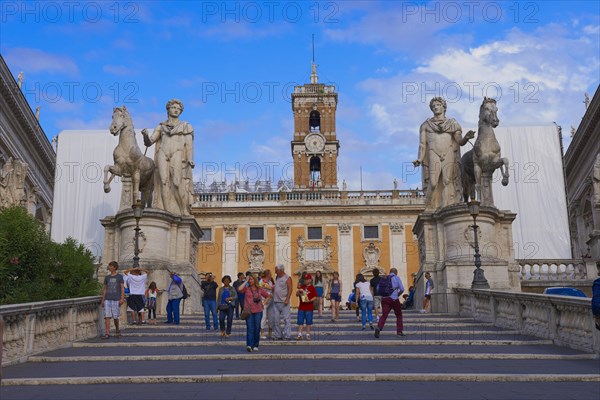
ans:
x=505 y=181
x=106 y=188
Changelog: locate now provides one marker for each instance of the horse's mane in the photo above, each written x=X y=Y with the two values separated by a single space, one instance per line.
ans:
x=487 y=100
x=125 y=112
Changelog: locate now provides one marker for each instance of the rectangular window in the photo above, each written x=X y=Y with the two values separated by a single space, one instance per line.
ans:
x=371 y=232
x=257 y=233
x=315 y=233
x=206 y=235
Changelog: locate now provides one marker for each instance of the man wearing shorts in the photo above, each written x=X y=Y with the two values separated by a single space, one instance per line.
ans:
x=136 y=281
x=307 y=295
x=113 y=295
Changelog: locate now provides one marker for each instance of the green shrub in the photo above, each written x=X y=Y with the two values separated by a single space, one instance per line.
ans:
x=34 y=268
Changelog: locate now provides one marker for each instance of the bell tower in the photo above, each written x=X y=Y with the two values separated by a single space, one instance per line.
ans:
x=315 y=146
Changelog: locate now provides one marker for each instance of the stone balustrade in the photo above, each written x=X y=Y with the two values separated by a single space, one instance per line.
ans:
x=33 y=328
x=312 y=89
x=567 y=321
x=373 y=197
x=552 y=270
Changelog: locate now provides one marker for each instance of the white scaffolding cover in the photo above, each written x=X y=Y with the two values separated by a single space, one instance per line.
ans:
x=536 y=191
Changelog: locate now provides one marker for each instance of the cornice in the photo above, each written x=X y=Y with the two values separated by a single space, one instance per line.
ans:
x=307 y=210
x=583 y=136
x=25 y=117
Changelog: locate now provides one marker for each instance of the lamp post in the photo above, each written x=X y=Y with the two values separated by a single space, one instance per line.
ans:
x=479 y=281
x=137 y=214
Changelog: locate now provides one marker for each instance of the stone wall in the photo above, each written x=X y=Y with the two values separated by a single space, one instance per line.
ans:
x=33 y=328
x=567 y=321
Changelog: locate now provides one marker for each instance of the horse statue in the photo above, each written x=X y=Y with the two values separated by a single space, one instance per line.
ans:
x=129 y=160
x=479 y=163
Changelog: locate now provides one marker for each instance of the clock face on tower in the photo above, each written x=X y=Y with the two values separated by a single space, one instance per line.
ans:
x=315 y=143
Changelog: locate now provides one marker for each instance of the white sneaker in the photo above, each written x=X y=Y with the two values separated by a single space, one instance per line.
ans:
x=255 y=349
x=249 y=349
x=422 y=311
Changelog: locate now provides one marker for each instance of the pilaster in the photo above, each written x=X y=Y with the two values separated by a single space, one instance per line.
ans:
x=346 y=258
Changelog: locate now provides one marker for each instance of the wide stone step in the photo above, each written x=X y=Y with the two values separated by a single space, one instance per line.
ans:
x=318 y=333
x=393 y=341
x=251 y=390
x=532 y=350
x=585 y=369
x=315 y=356
x=304 y=377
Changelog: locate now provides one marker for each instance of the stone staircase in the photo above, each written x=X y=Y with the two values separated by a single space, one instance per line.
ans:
x=442 y=356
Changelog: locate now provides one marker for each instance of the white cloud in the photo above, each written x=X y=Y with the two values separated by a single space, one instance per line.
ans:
x=119 y=70
x=35 y=61
x=124 y=44
x=591 y=30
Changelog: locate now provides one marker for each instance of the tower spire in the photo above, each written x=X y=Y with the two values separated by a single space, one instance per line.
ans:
x=314 y=78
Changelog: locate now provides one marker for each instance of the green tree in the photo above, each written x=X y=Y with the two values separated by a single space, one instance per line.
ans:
x=34 y=268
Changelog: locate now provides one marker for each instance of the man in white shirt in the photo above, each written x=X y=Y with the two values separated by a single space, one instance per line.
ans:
x=135 y=279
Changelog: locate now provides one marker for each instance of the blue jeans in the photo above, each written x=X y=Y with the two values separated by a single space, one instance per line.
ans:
x=210 y=306
x=253 y=329
x=173 y=310
x=226 y=314
x=366 y=306
x=239 y=305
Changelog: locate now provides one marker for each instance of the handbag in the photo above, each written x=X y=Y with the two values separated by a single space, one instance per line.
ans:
x=223 y=307
x=245 y=314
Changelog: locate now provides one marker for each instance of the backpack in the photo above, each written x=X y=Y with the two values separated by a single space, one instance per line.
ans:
x=385 y=288
x=184 y=291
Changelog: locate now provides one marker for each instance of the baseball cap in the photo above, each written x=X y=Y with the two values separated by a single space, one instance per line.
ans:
x=308 y=276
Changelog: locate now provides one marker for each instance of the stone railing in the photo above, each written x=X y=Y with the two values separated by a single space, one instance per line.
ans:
x=233 y=199
x=567 y=321
x=33 y=328
x=552 y=270
x=314 y=88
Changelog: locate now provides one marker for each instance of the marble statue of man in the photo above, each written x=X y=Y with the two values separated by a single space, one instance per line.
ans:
x=440 y=139
x=174 y=158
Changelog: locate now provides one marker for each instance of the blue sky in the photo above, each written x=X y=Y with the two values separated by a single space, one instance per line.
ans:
x=233 y=64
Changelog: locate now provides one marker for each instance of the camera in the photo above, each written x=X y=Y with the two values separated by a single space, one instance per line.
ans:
x=257 y=300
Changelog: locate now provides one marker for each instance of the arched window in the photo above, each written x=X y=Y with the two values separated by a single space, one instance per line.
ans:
x=315 y=169
x=315 y=121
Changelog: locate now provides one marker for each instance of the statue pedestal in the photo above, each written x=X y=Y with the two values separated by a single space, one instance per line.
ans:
x=166 y=242
x=446 y=250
